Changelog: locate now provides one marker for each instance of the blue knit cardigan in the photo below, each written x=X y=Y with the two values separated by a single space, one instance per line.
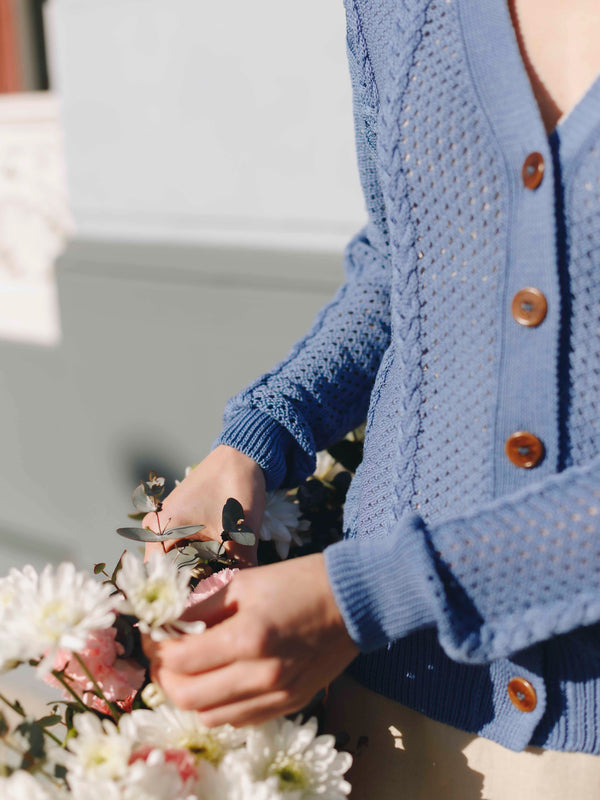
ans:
x=460 y=571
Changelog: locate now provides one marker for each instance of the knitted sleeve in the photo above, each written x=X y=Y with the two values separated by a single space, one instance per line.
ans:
x=494 y=581
x=322 y=389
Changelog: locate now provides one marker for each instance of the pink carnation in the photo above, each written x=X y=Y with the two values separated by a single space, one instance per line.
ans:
x=210 y=586
x=182 y=759
x=119 y=678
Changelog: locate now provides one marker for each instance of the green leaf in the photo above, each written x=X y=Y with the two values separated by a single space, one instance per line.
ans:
x=154 y=486
x=3 y=725
x=146 y=535
x=182 y=531
x=233 y=514
x=138 y=516
x=99 y=568
x=245 y=537
x=141 y=501
x=60 y=772
x=118 y=568
x=34 y=735
x=49 y=720
x=205 y=550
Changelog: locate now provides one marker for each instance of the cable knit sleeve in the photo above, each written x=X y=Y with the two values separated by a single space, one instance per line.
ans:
x=514 y=572
x=322 y=389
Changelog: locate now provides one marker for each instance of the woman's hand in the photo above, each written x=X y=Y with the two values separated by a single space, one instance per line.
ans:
x=200 y=497
x=275 y=638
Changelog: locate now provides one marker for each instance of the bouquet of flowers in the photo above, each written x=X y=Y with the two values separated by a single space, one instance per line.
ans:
x=114 y=736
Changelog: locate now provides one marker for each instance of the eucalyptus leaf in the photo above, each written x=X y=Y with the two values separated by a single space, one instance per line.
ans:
x=245 y=537
x=33 y=733
x=98 y=568
x=183 y=531
x=118 y=568
x=49 y=721
x=138 y=516
x=146 y=535
x=154 y=486
x=141 y=501
x=233 y=514
x=206 y=550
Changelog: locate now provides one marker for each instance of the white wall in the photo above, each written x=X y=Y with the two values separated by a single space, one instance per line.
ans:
x=227 y=121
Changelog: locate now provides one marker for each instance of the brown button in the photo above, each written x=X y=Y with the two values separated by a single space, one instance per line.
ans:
x=529 y=307
x=524 y=449
x=522 y=694
x=533 y=170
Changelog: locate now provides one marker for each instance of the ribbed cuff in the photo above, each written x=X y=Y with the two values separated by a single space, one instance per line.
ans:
x=262 y=438
x=385 y=586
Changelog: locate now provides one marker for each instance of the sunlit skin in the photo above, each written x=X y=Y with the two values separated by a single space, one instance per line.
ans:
x=275 y=633
x=558 y=40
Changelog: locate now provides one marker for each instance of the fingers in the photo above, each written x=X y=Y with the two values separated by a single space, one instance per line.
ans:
x=194 y=654
x=233 y=683
x=253 y=711
x=216 y=608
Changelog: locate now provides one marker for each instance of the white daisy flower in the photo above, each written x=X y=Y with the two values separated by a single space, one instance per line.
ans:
x=15 y=584
x=293 y=760
x=155 y=778
x=23 y=786
x=152 y=779
x=325 y=466
x=59 y=609
x=153 y=696
x=156 y=593
x=169 y=727
x=100 y=751
x=93 y=789
x=281 y=522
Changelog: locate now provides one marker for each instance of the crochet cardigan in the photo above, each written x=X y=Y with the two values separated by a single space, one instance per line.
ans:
x=460 y=571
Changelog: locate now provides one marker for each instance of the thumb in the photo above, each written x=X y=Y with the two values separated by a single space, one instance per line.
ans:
x=212 y=610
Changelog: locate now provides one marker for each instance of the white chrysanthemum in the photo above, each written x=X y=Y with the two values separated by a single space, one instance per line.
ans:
x=17 y=584
x=293 y=760
x=91 y=789
x=326 y=464
x=153 y=696
x=23 y=786
x=99 y=751
x=169 y=727
x=281 y=522
x=156 y=593
x=14 y=585
x=58 y=609
x=152 y=779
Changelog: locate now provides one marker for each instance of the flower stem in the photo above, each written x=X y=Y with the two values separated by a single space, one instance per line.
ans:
x=69 y=689
x=29 y=763
x=18 y=710
x=115 y=711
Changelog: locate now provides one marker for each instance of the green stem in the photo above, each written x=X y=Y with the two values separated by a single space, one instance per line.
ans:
x=29 y=762
x=70 y=690
x=14 y=707
x=114 y=708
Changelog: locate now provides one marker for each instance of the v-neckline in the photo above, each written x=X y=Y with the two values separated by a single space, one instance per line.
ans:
x=542 y=94
x=505 y=89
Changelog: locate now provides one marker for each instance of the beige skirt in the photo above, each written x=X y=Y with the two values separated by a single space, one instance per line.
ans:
x=410 y=757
